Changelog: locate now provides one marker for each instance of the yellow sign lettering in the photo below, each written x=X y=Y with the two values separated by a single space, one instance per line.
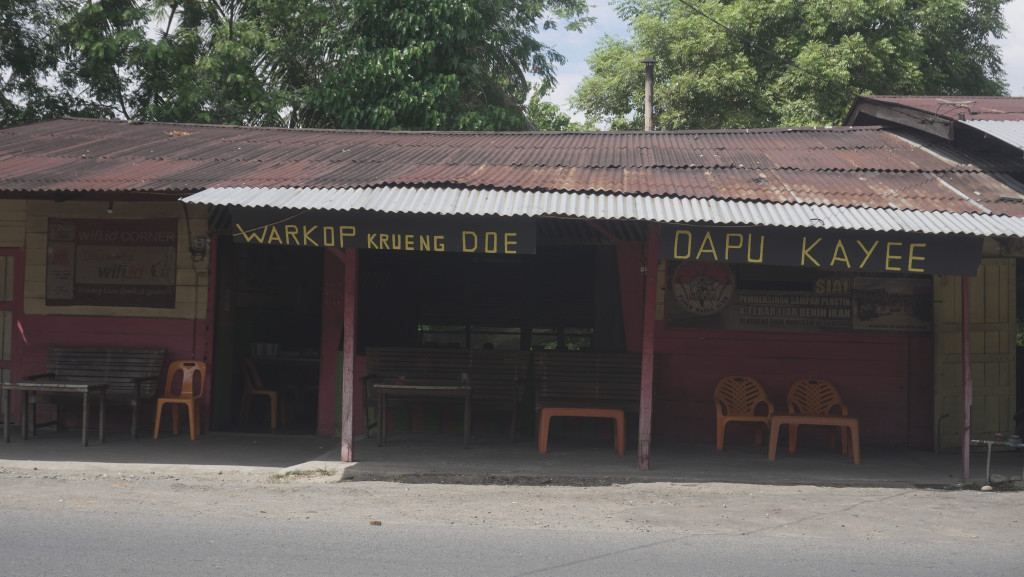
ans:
x=867 y=252
x=911 y=258
x=343 y=232
x=274 y=236
x=839 y=255
x=252 y=235
x=733 y=240
x=707 y=242
x=291 y=234
x=307 y=235
x=805 y=253
x=889 y=256
x=689 y=244
x=750 y=245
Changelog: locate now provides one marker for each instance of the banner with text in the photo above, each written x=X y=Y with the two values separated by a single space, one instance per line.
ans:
x=707 y=295
x=400 y=232
x=826 y=249
x=111 y=262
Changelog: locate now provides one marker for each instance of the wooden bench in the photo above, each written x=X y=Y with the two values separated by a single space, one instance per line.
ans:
x=495 y=376
x=585 y=384
x=133 y=374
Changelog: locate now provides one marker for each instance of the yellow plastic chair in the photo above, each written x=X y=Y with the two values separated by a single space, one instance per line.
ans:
x=184 y=386
x=816 y=397
x=254 y=387
x=738 y=399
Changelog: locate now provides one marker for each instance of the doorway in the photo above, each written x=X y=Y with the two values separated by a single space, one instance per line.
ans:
x=268 y=313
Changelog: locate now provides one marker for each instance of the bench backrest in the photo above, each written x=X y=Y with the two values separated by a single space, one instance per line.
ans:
x=492 y=373
x=120 y=367
x=587 y=378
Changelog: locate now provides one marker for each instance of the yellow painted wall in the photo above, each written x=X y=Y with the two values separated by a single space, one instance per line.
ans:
x=12 y=223
x=992 y=332
x=24 y=224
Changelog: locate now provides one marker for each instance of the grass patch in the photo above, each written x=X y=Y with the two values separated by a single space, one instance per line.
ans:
x=303 y=474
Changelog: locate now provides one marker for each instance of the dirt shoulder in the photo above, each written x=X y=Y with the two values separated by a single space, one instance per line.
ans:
x=564 y=503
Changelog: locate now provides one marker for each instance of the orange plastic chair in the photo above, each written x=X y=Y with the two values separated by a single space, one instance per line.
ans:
x=738 y=399
x=254 y=387
x=187 y=378
x=816 y=397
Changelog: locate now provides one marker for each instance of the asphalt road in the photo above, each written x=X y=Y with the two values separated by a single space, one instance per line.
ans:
x=153 y=544
x=221 y=525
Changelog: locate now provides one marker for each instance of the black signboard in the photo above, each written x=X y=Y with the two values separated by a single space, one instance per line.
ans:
x=826 y=249
x=373 y=231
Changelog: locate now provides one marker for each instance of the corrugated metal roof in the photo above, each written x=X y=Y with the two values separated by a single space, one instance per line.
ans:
x=852 y=167
x=1009 y=131
x=661 y=209
x=950 y=107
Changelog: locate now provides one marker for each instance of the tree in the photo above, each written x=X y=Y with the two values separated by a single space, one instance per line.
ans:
x=373 y=64
x=29 y=89
x=547 y=116
x=437 y=64
x=756 y=63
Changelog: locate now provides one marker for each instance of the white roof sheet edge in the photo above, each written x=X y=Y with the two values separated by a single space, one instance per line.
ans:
x=1009 y=131
x=662 y=209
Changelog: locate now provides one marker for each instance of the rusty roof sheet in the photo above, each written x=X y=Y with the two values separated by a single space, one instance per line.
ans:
x=950 y=107
x=845 y=166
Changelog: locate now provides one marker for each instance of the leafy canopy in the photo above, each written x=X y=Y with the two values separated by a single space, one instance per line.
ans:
x=372 y=64
x=759 y=63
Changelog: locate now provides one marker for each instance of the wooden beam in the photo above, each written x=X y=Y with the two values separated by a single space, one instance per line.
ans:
x=338 y=327
x=647 y=350
x=965 y=445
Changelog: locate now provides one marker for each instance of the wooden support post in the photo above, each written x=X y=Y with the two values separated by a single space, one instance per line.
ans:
x=338 y=327
x=647 y=351
x=965 y=444
x=349 y=352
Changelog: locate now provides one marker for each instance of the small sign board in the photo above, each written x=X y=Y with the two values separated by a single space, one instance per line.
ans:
x=111 y=262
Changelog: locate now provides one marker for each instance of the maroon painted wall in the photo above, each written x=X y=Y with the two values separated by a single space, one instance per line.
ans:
x=885 y=379
x=182 y=338
x=881 y=378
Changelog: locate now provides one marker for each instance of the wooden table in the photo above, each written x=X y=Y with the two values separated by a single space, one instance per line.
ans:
x=32 y=388
x=797 y=419
x=420 y=389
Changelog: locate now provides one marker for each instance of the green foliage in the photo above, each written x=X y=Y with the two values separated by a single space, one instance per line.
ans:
x=372 y=64
x=436 y=64
x=757 y=63
x=548 y=116
x=27 y=91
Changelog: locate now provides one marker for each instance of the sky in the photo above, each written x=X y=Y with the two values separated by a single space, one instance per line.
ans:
x=576 y=47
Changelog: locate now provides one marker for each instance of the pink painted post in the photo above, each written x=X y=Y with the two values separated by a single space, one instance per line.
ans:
x=647 y=352
x=330 y=337
x=349 y=353
x=965 y=446
x=339 y=327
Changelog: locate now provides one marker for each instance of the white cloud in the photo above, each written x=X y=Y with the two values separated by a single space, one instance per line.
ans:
x=1012 y=46
x=576 y=46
